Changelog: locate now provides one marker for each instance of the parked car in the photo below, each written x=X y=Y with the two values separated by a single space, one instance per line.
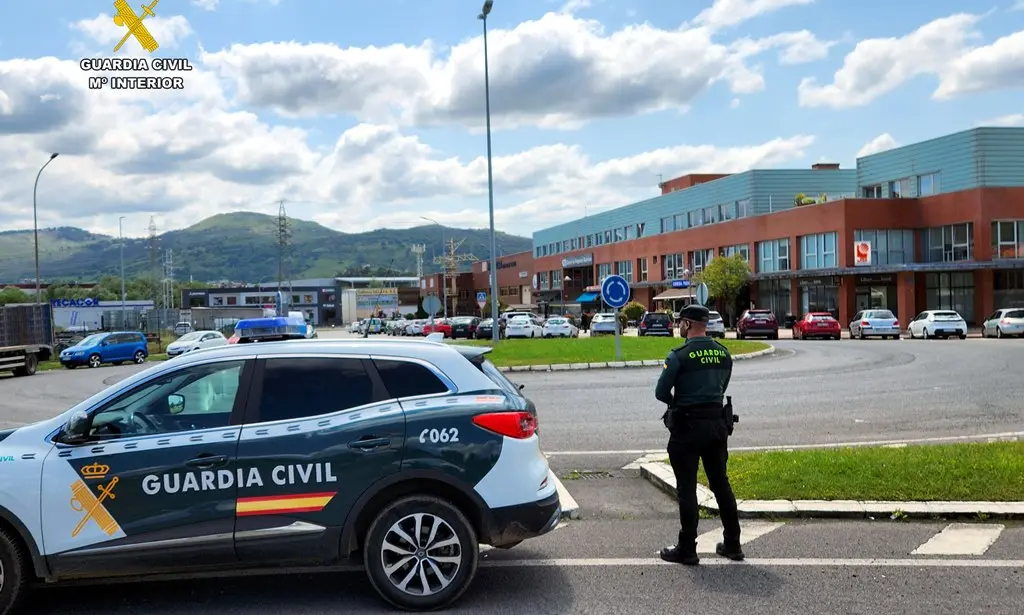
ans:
x=464 y=326
x=356 y=327
x=938 y=323
x=116 y=347
x=195 y=341
x=757 y=322
x=439 y=325
x=716 y=325
x=876 y=323
x=1004 y=323
x=485 y=329
x=523 y=326
x=560 y=326
x=817 y=324
x=656 y=323
x=603 y=324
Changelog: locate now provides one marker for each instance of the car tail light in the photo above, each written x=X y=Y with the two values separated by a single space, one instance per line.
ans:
x=518 y=425
x=865 y=323
x=895 y=323
x=1004 y=321
x=643 y=325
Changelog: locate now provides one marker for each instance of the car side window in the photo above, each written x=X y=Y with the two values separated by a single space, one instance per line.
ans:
x=408 y=379
x=296 y=388
x=198 y=397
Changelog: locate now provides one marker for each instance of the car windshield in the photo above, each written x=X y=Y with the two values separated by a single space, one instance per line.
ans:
x=657 y=317
x=881 y=314
x=714 y=315
x=188 y=337
x=556 y=321
x=92 y=340
x=519 y=319
x=598 y=317
x=760 y=313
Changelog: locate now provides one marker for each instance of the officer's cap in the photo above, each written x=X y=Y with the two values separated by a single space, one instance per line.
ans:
x=695 y=312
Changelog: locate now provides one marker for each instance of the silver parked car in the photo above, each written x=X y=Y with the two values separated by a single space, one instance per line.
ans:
x=716 y=326
x=875 y=323
x=1004 y=323
x=603 y=323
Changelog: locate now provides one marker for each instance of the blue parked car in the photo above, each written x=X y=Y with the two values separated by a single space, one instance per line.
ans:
x=116 y=347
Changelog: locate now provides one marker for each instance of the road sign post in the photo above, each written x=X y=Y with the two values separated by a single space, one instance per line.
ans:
x=615 y=292
x=702 y=294
x=431 y=305
x=481 y=300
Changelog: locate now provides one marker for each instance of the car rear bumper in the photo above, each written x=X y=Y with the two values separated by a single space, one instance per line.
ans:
x=666 y=332
x=511 y=524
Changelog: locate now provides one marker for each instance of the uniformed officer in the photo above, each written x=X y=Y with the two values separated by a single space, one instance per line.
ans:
x=693 y=384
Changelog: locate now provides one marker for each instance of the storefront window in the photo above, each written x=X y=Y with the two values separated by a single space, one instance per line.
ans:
x=951 y=291
x=819 y=296
x=774 y=295
x=1008 y=288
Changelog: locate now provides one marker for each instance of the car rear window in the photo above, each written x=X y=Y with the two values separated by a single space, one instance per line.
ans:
x=761 y=313
x=656 y=317
x=946 y=315
x=880 y=314
x=714 y=315
x=491 y=371
x=406 y=379
x=1015 y=314
x=822 y=317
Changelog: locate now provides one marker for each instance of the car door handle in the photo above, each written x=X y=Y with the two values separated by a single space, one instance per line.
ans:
x=207 y=461
x=369 y=442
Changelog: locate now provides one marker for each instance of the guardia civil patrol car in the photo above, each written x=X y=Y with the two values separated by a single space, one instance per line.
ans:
x=407 y=453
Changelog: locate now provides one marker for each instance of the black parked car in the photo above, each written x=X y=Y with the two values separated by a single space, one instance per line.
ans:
x=484 y=329
x=464 y=326
x=656 y=323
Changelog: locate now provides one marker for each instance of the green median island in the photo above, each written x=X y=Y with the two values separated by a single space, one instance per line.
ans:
x=988 y=471
x=516 y=352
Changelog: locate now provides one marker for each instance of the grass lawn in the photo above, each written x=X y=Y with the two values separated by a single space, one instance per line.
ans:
x=944 y=472
x=592 y=350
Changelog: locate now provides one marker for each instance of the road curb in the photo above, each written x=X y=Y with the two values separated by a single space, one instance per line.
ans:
x=570 y=509
x=661 y=476
x=561 y=367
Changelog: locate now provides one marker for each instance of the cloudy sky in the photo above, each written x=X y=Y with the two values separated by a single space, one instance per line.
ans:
x=365 y=115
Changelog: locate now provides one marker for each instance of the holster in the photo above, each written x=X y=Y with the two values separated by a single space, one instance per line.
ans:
x=730 y=417
x=668 y=419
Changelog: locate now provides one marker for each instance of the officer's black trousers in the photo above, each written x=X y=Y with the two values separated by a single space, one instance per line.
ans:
x=702 y=440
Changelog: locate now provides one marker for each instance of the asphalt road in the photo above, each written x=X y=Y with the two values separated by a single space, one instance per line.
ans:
x=811 y=393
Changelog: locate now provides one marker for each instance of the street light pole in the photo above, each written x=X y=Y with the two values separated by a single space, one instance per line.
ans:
x=444 y=268
x=484 y=12
x=120 y=234
x=565 y=291
x=35 y=222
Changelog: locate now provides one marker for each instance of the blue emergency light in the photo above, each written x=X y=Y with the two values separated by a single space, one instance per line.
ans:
x=270 y=329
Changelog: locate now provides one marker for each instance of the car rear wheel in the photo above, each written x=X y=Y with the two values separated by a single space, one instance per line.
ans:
x=95 y=360
x=140 y=357
x=14 y=573
x=999 y=333
x=421 y=553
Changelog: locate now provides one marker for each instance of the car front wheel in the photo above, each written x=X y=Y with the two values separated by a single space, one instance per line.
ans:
x=421 y=553
x=14 y=572
x=140 y=357
x=95 y=360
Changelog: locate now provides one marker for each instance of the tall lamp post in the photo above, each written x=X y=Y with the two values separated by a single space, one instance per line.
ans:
x=484 y=12
x=565 y=291
x=120 y=234
x=35 y=221
x=444 y=269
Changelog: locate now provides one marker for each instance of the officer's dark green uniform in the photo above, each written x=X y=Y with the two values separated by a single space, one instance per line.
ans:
x=693 y=384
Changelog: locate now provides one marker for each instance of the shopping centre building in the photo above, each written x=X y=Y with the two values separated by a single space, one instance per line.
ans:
x=932 y=225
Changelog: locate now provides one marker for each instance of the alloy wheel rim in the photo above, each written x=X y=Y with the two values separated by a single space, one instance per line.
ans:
x=421 y=554
x=139 y=357
x=94 y=361
x=3 y=577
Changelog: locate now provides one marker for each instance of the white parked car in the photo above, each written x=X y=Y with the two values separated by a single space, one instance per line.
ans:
x=1004 y=323
x=523 y=326
x=938 y=323
x=560 y=327
x=414 y=327
x=603 y=323
x=355 y=327
x=716 y=326
x=875 y=323
x=194 y=341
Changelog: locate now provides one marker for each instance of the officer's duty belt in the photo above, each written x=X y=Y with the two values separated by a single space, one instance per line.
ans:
x=706 y=411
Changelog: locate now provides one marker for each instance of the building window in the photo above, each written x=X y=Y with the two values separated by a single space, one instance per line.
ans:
x=774 y=295
x=872 y=192
x=556 y=280
x=888 y=246
x=774 y=255
x=742 y=249
x=710 y=214
x=640 y=227
x=951 y=291
x=672 y=266
x=744 y=208
x=900 y=189
x=699 y=259
x=818 y=251
x=668 y=224
x=927 y=184
x=232 y=300
x=1008 y=239
x=641 y=269
x=542 y=281
x=951 y=243
x=604 y=270
x=625 y=269
x=1008 y=287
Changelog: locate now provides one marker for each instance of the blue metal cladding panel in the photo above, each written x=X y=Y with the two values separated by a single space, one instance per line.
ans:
x=769 y=190
x=964 y=160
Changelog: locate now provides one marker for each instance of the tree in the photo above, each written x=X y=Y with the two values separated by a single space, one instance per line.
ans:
x=725 y=276
x=634 y=311
x=420 y=312
x=13 y=294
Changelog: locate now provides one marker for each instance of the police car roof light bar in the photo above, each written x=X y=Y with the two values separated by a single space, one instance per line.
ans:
x=518 y=425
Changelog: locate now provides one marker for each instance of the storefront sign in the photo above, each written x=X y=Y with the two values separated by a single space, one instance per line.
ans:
x=87 y=302
x=680 y=283
x=826 y=281
x=524 y=274
x=581 y=260
x=861 y=253
x=875 y=279
x=377 y=299
x=507 y=265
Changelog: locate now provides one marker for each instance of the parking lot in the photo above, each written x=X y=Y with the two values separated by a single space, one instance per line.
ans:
x=595 y=423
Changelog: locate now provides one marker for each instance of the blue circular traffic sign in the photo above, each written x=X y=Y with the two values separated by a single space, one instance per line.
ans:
x=615 y=291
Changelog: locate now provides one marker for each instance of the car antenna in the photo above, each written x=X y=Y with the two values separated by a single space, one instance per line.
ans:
x=366 y=330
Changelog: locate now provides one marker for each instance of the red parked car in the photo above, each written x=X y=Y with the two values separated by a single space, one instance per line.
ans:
x=817 y=324
x=439 y=326
x=759 y=323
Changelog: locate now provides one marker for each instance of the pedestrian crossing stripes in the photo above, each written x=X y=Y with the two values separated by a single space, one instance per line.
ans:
x=961 y=539
x=749 y=531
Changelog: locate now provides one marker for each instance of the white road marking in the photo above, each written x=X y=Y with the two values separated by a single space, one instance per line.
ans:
x=961 y=539
x=748 y=531
x=565 y=498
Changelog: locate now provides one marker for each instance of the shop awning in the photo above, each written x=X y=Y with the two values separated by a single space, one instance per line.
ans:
x=674 y=293
x=587 y=297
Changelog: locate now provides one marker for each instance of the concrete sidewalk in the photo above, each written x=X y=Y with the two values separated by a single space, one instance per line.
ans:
x=660 y=474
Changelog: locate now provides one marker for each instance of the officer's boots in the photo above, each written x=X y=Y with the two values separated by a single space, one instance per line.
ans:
x=681 y=554
x=731 y=551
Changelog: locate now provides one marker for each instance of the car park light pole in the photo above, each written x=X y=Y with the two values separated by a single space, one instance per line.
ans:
x=444 y=267
x=120 y=234
x=35 y=221
x=484 y=12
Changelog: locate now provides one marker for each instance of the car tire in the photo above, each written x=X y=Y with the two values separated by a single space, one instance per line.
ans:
x=140 y=357
x=999 y=333
x=95 y=360
x=15 y=568
x=402 y=514
x=924 y=333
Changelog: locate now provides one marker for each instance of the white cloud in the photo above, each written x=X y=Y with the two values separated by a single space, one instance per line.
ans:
x=725 y=13
x=556 y=71
x=1019 y=6
x=1016 y=119
x=797 y=47
x=880 y=143
x=939 y=48
x=207 y=5
x=571 y=6
x=167 y=31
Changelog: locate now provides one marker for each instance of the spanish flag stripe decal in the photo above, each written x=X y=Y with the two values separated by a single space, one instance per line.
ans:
x=276 y=505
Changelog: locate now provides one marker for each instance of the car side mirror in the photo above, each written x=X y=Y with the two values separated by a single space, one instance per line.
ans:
x=76 y=430
x=175 y=403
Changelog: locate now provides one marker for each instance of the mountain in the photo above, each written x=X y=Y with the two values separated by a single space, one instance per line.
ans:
x=240 y=246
